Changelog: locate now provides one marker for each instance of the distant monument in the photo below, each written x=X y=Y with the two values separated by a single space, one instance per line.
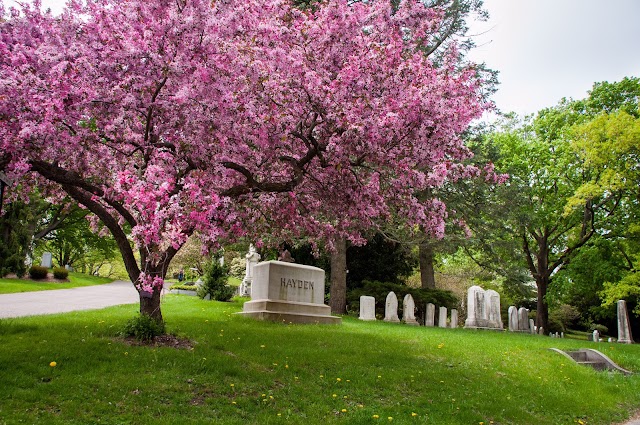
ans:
x=483 y=309
x=287 y=292
x=624 y=327
x=251 y=259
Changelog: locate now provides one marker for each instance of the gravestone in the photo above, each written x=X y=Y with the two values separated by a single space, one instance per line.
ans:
x=493 y=308
x=286 y=292
x=624 y=327
x=596 y=336
x=532 y=326
x=367 y=308
x=430 y=318
x=477 y=316
x=251 y=259
x=523 y=319
x=454 y=318
x=513 y=319
x=541 y=330
x=408 y=311
x=442 y=317
x=391 y=308
x=46 y=260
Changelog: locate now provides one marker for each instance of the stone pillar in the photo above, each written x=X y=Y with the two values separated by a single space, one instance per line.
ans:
x=442 y=318
x=532 y=326
x=454 y=318
x=391 y=308
x=251 y=259
x=367 y=308
x=430 y=315
x=624 y=327
x=409 y=310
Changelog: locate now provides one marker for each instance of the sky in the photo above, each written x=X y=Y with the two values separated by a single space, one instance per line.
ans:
x=549 y=49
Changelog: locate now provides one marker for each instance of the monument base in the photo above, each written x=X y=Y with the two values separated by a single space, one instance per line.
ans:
x=289 y=312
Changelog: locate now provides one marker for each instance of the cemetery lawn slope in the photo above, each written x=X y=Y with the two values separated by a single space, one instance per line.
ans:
x=10 y=286
x=245 y=372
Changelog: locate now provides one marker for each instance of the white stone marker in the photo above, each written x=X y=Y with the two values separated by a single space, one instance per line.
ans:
x=596 y=336
x=493 y=309
x=391 y=308
x=367 y=308
x=523 y=319
x=251 y=259
x=454 y=318
x=46 y=260
x=442 y=317
x=624 y=327
x=513 y=319
x=288 y=292
x=532 y=326
x=477 y=316
x=430 y=318
x=409 y=311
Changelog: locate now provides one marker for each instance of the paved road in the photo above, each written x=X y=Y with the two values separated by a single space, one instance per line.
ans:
x=65 y=300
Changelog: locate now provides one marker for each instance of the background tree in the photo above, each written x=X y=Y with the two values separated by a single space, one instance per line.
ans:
x=169 y=118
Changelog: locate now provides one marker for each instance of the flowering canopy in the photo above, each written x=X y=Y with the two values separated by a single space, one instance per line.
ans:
x=179 y=116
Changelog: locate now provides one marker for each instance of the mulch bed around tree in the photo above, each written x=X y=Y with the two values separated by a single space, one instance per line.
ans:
x=170 y=341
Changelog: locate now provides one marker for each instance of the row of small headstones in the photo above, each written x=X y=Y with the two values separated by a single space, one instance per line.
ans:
x=368 y=311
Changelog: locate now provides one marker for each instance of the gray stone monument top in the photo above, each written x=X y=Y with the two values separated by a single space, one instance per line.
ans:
x=46 y=260
x=624 y=327
x=288 y=292
x=367 y=308
x=286 y=257
x=391 y=308
x=408 y=311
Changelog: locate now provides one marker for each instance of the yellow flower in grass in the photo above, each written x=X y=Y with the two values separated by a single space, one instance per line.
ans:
x=344 y=410
x=376 y=416
x=414 y=414
x=53 y=364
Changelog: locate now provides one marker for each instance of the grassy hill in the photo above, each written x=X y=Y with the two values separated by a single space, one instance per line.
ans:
x=246 y=372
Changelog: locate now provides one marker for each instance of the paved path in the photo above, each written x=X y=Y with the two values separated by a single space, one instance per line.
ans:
x=64 y=300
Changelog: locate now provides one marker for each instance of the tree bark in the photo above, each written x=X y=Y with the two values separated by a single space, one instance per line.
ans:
x=150 y=305
x=427 y=273
x=338 y=289
x=542 y=309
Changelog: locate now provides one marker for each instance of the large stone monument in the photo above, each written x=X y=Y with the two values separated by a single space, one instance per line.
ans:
x=391 y=308
x=409 y=311
x=430 y=315
x=483 y=309
x=288 y=292
x=624 y=327
x=367 y=308
x=251 y=259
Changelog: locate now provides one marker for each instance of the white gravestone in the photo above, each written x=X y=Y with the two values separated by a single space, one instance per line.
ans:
x=46 y=260
x=513 y=319
x=523 y=319
x=391 y=308
x=251 y=259
x=409 y=310
x=596 y=336
x=532 y=326
x=442 y=317
x=492 y=298
x=287 y=292
x=367 y=308
x=430 y=318
x=454 y=318
x=477 y=316
x=624 y=327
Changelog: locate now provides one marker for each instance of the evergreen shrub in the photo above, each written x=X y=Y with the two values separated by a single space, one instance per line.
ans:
x=38 y=272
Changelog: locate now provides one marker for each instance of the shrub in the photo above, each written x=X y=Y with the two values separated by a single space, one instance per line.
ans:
x=143 y=328
x=38 y=272
x=237 y=267
x=191 y=286
x=60 y=273
x=215 y=283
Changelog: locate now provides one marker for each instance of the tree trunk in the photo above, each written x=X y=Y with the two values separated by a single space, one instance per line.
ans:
x=338 y=289
x=427 y=273
x=542 y=309
x=150 y=305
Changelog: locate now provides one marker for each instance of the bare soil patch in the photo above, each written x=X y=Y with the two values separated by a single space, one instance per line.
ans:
x=170 y=341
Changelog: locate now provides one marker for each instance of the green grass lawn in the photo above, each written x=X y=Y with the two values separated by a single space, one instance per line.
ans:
x=10 y=286
x=246 y=372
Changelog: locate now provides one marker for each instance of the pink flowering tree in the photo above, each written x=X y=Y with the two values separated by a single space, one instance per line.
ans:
x=168 y=118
